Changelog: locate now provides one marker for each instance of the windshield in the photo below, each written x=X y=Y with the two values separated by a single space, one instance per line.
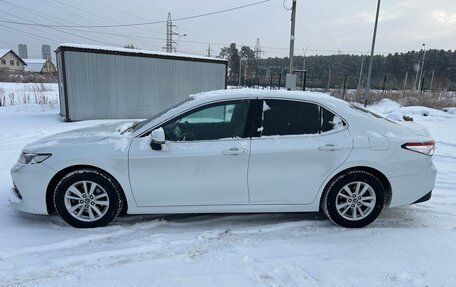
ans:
x=142 y=123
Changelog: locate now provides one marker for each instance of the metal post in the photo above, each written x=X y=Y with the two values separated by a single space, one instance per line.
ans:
x=345 y=86
x=292 y=35
x=304 y=80
x=270 y=82
x=384 y=84
x=371 y=59
x=432 y=81
x=280 y=80
x=240 y=70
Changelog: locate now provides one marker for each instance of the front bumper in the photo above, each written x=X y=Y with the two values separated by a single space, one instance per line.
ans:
x=30 y=185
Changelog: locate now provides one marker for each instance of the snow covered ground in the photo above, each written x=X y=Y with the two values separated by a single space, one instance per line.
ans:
x=408 y=246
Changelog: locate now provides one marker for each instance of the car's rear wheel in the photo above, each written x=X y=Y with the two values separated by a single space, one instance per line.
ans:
x=354 y=199
x=87 y=198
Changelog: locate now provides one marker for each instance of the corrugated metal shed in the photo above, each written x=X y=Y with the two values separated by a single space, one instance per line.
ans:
x=110 y=83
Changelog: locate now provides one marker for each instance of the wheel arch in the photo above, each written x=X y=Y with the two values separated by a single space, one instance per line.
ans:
x=380 y=175
x=60 y=174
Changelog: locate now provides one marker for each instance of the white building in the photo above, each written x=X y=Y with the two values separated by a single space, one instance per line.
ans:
x=9 y=60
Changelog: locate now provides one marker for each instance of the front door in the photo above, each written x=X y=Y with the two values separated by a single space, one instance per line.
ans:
x=203 y=162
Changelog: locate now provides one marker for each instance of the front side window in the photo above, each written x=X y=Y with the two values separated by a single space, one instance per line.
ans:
x=212 y=122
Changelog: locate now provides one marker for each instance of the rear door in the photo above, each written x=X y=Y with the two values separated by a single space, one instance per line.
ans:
x=298 y=146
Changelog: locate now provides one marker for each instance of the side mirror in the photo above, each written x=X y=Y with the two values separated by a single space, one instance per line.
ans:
x=157 y=139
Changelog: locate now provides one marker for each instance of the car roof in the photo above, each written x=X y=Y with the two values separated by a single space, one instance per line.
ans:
x=219 y=95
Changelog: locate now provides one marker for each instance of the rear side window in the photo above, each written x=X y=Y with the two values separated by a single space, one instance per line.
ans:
x=281 y=117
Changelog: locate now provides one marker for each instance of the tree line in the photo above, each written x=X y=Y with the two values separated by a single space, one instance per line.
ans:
x=388 y=71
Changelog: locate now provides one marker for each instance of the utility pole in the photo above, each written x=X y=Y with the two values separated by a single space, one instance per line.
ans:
x=422 y=66
x=304 y=59
x=432 y=81
x=169 y=34
x=406 y=78
x=258 y=50
x=422 y=82
x=329 y=80
x=209 y=50
x=371 y=59
x=240 y=70
x=292 y=35
x=361 y=72
x=345 y=86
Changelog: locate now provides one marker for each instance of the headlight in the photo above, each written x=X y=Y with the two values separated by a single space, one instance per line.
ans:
x=26 y=158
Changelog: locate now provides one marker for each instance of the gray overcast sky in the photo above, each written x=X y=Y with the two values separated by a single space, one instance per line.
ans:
x=325 y=26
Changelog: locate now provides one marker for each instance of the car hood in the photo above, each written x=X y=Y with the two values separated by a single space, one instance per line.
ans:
x=82 y=135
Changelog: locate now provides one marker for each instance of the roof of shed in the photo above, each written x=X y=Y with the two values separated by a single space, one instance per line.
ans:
x=137 y=52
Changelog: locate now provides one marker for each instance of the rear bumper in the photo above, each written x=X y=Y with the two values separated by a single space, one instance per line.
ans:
x=424 y=198
x=412 y=189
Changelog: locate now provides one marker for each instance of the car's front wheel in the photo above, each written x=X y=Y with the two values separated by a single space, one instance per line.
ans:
x=87 y=198
x=354 y=199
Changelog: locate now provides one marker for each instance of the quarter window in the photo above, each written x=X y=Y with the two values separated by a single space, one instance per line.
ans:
x=330 y=122
x=216 y=121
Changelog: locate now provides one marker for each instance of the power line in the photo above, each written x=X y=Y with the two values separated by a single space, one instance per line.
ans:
x=32 y=23
x=135 y=24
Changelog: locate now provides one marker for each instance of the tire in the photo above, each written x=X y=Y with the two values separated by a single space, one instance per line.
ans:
x=87 y=198
x=354 y=199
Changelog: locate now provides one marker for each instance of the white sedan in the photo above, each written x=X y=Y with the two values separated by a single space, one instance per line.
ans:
x=231 y=151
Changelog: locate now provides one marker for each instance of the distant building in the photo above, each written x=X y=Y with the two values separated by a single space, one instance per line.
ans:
x=46 y=52
x=40 y=66
x=22 y=51
x=10 y=60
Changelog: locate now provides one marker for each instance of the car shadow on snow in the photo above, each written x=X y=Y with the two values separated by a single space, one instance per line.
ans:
x=403 y=217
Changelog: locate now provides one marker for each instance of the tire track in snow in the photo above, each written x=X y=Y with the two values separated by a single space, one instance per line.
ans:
x=124 y=247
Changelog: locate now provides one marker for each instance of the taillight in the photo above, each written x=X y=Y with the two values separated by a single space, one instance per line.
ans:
x=426 y=148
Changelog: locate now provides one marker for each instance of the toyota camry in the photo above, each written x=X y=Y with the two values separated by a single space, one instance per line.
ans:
x=231 y=151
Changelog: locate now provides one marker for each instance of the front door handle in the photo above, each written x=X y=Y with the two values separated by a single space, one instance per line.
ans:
x=234 y=151
x=330 y=147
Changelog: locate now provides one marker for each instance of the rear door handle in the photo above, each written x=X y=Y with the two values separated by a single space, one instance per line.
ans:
x=234 y=151
x=330 y=147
